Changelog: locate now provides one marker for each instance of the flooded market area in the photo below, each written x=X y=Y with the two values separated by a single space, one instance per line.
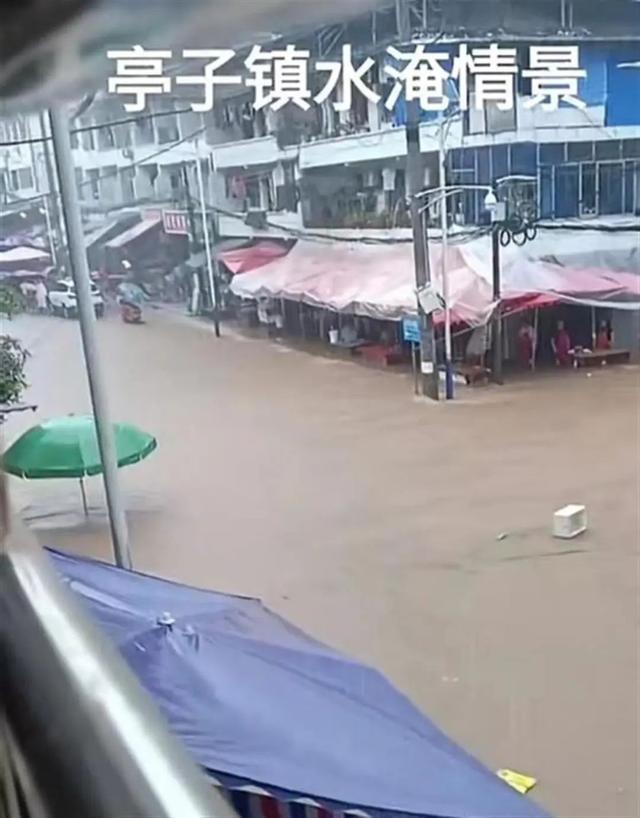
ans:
x=414 y=536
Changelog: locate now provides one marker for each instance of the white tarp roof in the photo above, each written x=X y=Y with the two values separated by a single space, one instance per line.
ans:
x=379 y=281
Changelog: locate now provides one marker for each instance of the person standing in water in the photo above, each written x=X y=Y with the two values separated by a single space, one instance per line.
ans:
x=603 y=338
x=561 y=345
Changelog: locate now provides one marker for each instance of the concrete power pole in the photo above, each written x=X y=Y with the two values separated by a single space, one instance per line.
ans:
x=52 y=207
x=414 y=184
x=97 y=387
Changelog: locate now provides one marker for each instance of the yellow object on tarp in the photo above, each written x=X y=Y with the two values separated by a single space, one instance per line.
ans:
x=521 y=783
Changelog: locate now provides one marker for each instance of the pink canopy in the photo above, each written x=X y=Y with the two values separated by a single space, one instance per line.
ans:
x=378 y=280
x=24 y=257
x=243 y=259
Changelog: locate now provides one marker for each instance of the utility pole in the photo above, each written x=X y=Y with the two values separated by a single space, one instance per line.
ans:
x=97 y=386
x=496 y=222
x=193 y=241
x=444 y=229
x=190 y=210
x=53 y=213
x=414 y=184
x=50 y=236
x=212 y=261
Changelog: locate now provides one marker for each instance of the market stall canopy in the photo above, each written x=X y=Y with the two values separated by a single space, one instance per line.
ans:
x=377 y=280
x=22 y=257
x=219 y=248
x=243 y=259
x=21 y=274
x=259 y=703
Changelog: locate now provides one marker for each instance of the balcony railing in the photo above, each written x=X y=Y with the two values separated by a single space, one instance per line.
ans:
x=78 y=735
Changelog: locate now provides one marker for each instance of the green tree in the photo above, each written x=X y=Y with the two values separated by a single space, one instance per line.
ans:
x=13 y=357
x=11 y=301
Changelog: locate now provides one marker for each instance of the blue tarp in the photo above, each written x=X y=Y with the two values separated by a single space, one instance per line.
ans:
x=256 y=700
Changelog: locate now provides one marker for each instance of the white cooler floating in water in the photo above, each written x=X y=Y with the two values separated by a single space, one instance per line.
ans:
x=569 y=521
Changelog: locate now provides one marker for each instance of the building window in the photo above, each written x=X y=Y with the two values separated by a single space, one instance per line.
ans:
x=87 y=137
x=143 y=131
x=609 y=149
x=552 y=153
x=122 y=136
x=610 y=188
x=588 y=189
x=18 y=130
x=127 y=176
x=546 y=191
x=151 y=174
x=499 y=161
x=567 y=191
x=631 y=149
x=108 y=179
x=22 y=179
x=93 y=177
x=79 y=185
x=167 y=130
x=484 y=166
x=253 y=192
x=167 y=124
x=497 y=120
x=175 y=183
x=106 y=138
x=629 y=186
x=580 y=151
x=524 y=159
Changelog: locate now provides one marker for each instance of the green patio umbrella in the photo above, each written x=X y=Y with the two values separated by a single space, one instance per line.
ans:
x=68 y=447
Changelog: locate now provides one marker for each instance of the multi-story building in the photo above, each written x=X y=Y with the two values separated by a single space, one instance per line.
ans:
x=23 y=171
x=325 y=169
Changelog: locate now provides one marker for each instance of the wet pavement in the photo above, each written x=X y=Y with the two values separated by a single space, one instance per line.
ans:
x=375 y=522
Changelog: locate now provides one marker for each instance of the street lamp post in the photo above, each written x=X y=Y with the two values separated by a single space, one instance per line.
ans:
x=497 y=211
x=444 y=229
x=497 y=312
x=498 y=215
x=47 y=220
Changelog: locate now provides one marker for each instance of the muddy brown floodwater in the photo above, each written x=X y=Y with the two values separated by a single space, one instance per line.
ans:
x=374 y=522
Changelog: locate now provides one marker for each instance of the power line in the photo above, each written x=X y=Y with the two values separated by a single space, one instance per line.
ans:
x=111 y=124
x=131 y=165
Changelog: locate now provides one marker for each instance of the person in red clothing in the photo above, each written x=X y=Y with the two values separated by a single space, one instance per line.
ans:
x=603 y=339
x=561 y=343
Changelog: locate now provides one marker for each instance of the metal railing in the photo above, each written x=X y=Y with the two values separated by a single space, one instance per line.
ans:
x=79 y=736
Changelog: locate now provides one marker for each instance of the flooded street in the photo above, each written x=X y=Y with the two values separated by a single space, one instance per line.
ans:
x=411 y=535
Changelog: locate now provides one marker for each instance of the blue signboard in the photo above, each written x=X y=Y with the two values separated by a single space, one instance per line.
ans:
x=411 y=330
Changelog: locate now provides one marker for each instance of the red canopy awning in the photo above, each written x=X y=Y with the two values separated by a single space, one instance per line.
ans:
x=379 y=280
x=243 y=259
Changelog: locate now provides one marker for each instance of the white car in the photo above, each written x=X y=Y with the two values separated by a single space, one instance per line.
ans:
x=63 y=300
